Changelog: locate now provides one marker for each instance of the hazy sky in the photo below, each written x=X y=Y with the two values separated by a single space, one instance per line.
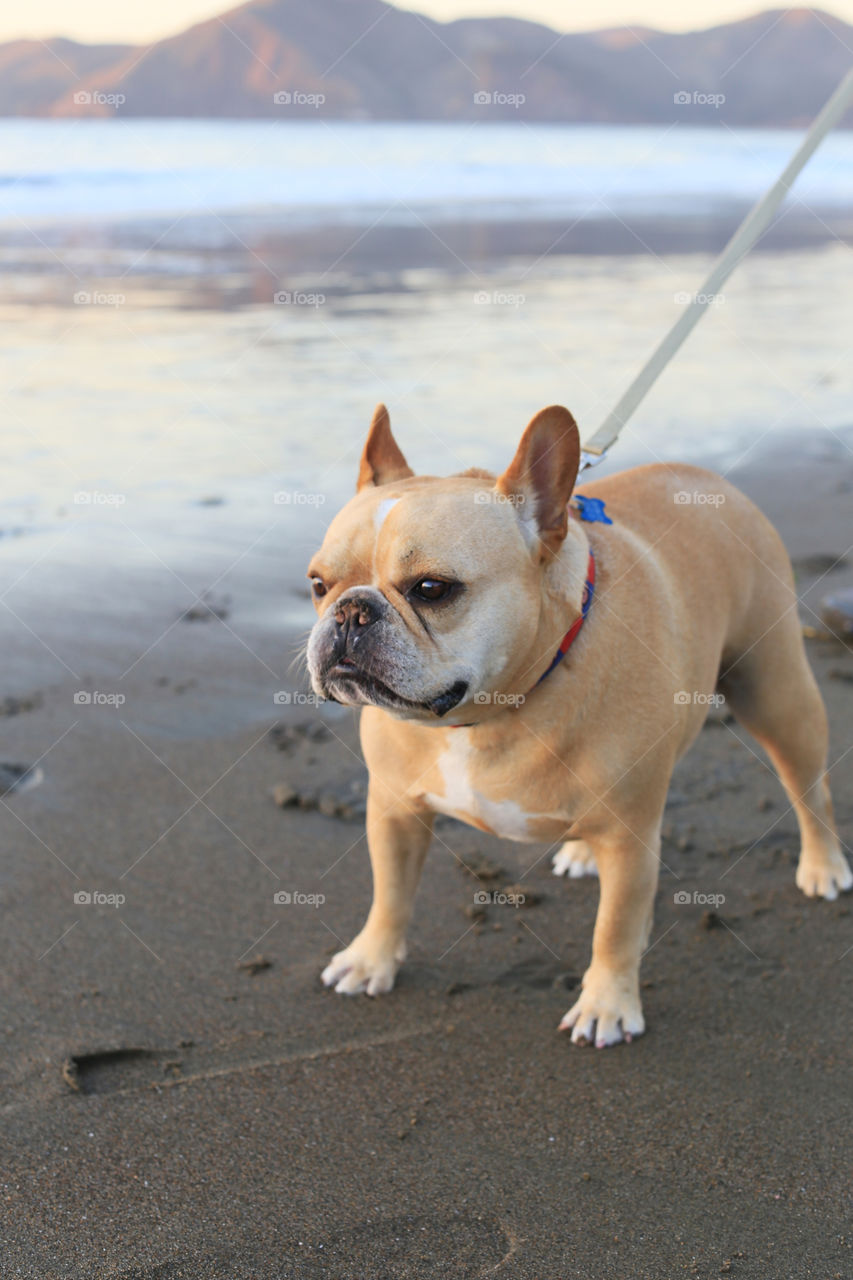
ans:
x=104 y=20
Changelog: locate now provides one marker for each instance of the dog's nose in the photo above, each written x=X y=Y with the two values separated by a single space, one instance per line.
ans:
x=353 y=616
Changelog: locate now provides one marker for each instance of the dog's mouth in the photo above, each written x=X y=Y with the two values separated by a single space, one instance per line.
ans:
x=348 y=683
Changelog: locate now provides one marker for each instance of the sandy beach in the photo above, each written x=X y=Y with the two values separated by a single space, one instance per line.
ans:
x=193 y=352
x=182 y=1099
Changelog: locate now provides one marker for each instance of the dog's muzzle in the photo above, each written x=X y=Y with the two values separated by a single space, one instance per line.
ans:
x=354 y=616
x=348 y=661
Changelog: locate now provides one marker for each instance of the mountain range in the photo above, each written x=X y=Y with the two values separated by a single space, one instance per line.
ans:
x=367 y=60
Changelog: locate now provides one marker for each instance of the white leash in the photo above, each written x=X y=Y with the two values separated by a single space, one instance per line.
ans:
x=754 y=225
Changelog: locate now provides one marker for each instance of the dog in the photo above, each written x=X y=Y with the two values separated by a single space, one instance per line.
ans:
x=537 y=675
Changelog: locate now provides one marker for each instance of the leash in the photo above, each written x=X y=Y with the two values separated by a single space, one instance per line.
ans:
x=753 y=226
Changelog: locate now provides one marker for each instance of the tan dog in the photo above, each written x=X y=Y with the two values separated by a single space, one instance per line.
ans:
x=442 y=603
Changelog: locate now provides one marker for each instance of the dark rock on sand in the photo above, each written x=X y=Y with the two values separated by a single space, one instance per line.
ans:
x=481 y=868
x=285 y=796
x=11 y=706
x=206 y=609
x=19 y=777
x=288 y=737
x=521 y=895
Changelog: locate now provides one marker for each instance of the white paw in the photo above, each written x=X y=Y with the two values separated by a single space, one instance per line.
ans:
x=825 y=875
x=365 y=966
x=574 y=859
x=607 y=1012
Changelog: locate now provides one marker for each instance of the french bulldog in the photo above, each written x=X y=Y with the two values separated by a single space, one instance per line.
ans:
x=443 y=604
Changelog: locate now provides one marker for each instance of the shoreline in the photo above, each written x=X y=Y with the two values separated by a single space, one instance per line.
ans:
x=229 y=261
x=240 y=614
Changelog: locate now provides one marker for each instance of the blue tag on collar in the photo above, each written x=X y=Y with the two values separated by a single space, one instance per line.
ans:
x=590 y=509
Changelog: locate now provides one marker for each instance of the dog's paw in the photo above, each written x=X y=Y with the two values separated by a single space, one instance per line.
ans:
x=607 y=1012
x=825 y=875
x=366 y=965
x=574 y=859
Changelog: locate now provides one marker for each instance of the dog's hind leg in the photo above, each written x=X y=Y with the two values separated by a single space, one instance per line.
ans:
x=772 y=692
x=574 y=859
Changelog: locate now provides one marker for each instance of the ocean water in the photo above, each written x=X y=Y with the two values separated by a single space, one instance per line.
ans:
x=350 y=172
x=156 y=444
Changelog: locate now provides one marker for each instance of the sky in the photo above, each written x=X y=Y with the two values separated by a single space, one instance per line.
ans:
x=104 y=20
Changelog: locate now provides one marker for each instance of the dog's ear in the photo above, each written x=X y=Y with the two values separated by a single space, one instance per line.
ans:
x=382 y=460
x=541 y=476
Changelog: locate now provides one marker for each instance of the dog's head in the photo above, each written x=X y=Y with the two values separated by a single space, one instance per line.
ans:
x=432 y=593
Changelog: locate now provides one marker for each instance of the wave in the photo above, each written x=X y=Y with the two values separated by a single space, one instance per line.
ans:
x=106 y=170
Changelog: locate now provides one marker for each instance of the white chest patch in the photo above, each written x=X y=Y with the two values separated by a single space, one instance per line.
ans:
x=382 y=511
x=504 y=817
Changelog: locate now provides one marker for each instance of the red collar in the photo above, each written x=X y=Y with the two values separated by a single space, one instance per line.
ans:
x=574 y=630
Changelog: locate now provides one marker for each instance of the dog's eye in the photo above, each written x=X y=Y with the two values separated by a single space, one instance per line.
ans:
x=318 y=587
x=431 y=589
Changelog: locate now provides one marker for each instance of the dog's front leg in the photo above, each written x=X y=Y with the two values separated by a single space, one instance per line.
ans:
x=609 y=1008
x=398 y=839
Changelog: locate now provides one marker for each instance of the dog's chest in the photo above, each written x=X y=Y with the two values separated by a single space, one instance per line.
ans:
x=463 y=789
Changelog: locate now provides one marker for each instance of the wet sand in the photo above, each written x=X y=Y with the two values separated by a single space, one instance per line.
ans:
x=182 y=1099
